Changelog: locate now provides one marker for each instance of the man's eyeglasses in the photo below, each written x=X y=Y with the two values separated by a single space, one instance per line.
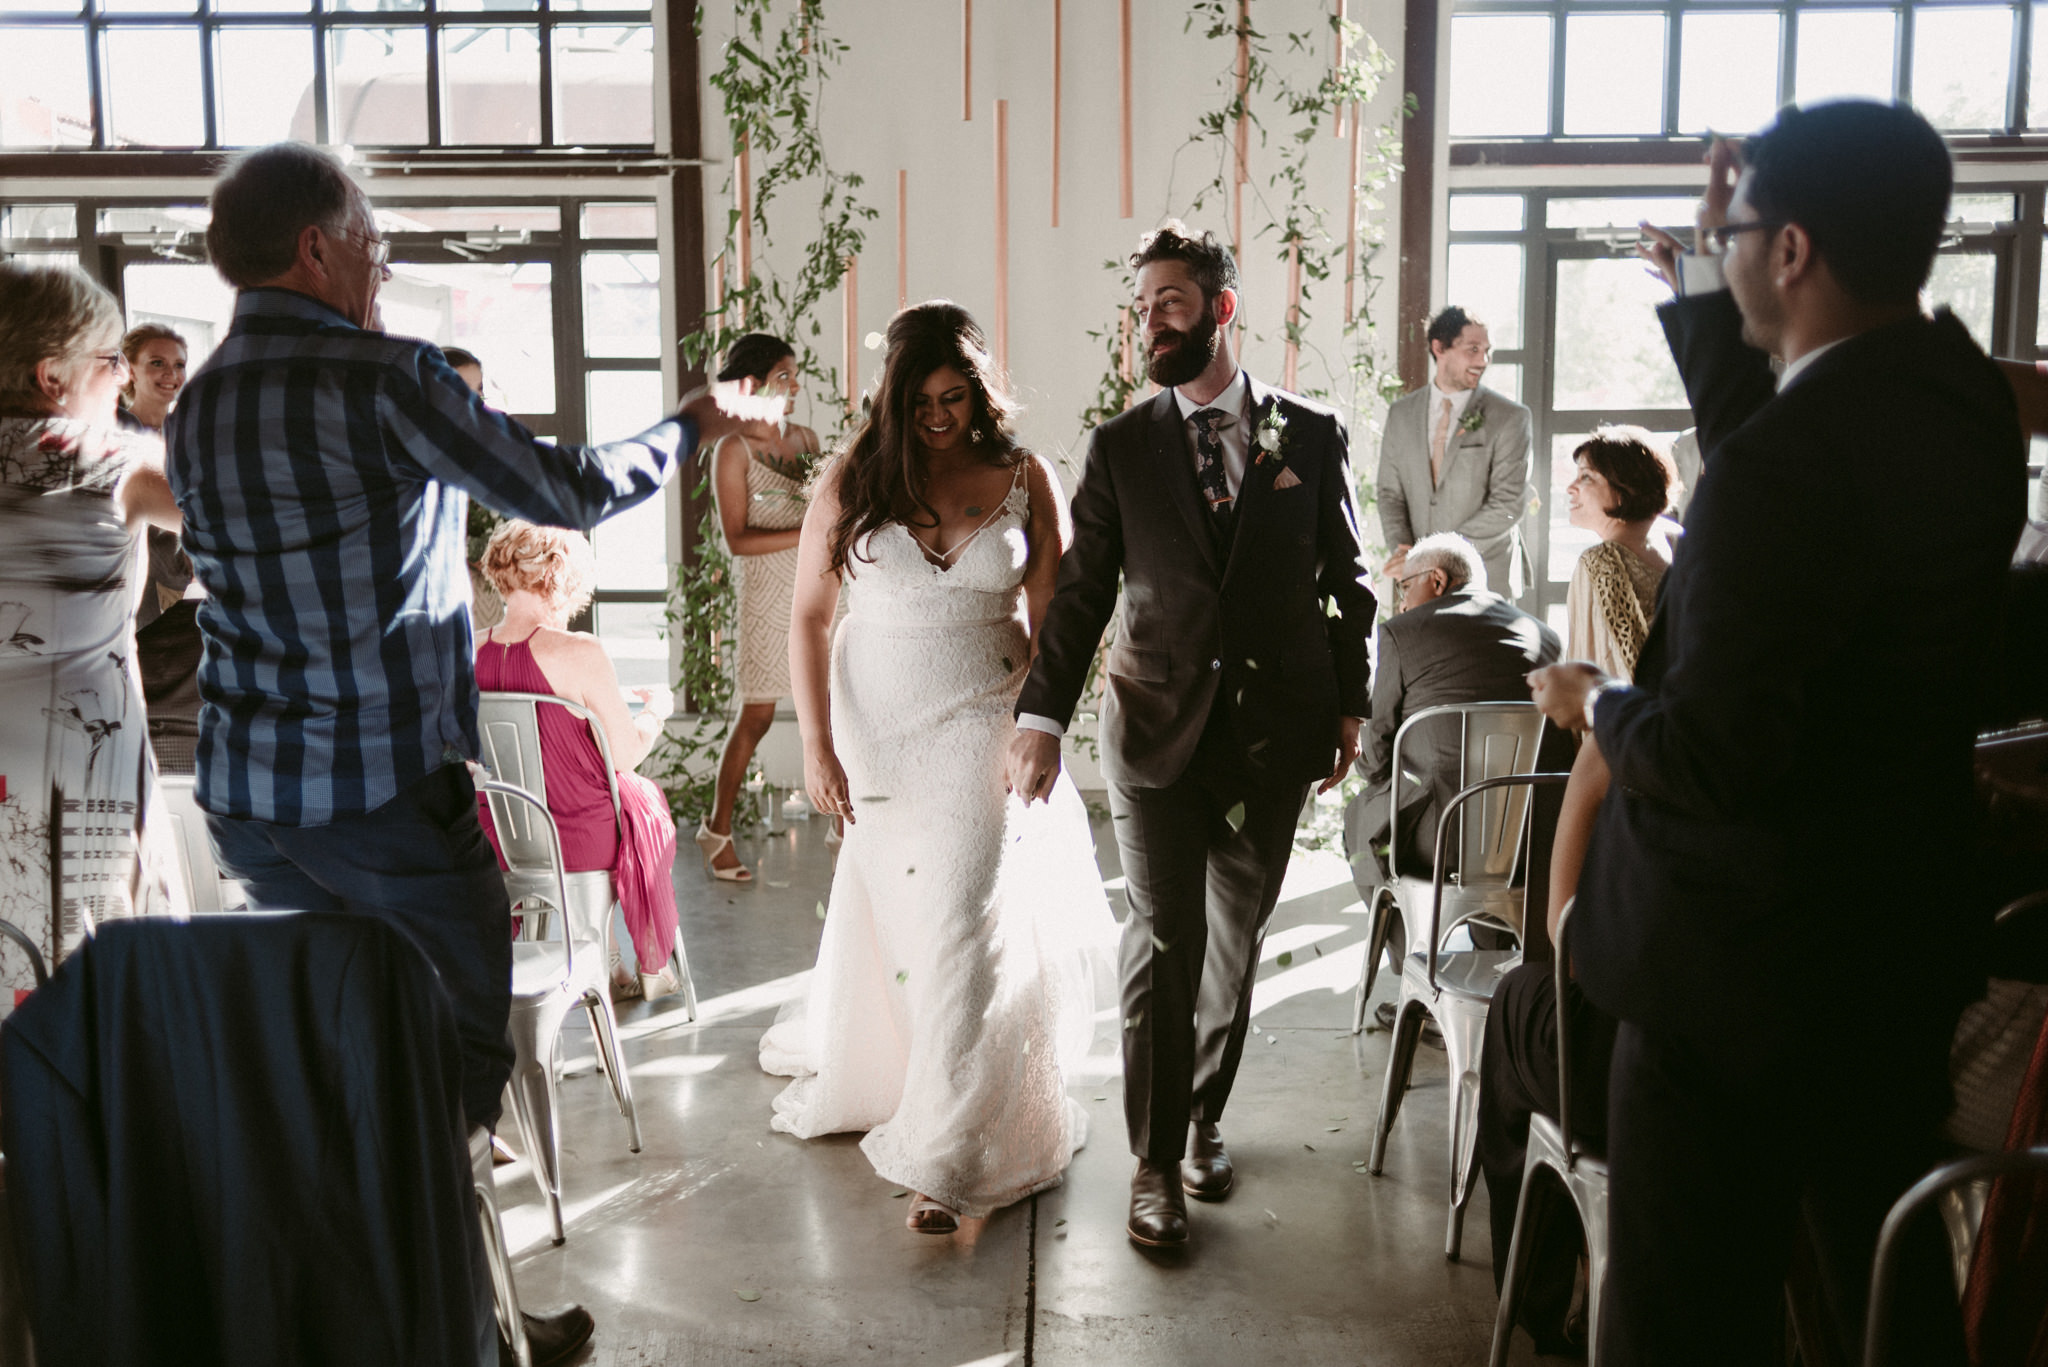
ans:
x=379 y=248
x=1406 y=579
x=1721 y=235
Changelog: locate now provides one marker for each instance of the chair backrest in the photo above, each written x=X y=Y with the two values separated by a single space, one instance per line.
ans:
x=1495 y=740
x=547 y=875
x=509 y=724
x=20 y=937
x=1514 y=839
x=1561 y=978
x=1884 y=1269
x=195 y=847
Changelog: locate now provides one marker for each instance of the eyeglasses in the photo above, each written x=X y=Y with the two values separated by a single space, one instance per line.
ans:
x=1721 y=235
x=379 y=248
x=1405 y=580
x=113 y=360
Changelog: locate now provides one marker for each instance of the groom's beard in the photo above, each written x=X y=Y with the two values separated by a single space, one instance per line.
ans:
x=1189 y=357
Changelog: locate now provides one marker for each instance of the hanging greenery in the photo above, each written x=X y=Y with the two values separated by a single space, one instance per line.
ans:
x=1283 y=108
x=770 y=82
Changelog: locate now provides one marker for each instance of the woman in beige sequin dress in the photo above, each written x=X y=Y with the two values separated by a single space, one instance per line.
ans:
x=1622 y=487
x=760 y=493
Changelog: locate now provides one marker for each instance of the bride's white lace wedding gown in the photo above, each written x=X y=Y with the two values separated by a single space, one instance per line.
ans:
x=967 y=938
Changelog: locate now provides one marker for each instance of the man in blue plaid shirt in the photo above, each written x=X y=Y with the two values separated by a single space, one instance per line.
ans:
x=325 y=471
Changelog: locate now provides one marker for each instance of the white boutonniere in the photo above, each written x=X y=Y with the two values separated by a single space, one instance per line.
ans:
x=1474 y=419
x=1271 y=439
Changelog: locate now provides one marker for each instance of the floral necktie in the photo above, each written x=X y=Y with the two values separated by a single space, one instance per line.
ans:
x=1209 y=466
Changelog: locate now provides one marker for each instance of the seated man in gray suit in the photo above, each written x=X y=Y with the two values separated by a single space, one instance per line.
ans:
x=1452 y=642
x=1455 y=458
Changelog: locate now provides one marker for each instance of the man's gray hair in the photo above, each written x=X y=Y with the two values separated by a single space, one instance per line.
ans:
x=267 y=198
x=1454 y=555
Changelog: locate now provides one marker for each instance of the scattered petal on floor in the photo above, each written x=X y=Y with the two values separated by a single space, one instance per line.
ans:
x=1285 y=960
x=894 y=1194
x=821 y=911
x=747 y=1295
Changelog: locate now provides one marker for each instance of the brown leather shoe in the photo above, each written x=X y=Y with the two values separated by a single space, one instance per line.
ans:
x=1206 y=1172
x=1159 y=1212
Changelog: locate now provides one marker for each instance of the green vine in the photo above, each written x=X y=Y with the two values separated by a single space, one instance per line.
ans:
x=1284 y=210
x=770 y=81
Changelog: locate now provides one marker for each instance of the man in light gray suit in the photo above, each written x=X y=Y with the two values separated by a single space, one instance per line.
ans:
x=1452 y=642
x=1455 y=458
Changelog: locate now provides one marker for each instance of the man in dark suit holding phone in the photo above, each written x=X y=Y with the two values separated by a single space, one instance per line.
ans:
x=1804 y=710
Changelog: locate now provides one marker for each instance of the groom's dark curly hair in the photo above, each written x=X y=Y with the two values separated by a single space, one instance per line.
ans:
x=1208 y=260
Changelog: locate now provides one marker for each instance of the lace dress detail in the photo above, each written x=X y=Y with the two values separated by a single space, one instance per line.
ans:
x=767 y=583
x=1612 y=597
x=968 y=940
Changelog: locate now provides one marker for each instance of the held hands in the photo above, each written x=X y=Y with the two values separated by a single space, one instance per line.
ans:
x=1034 y=764
x=1347 y=752
x=825 y=783
x=1560 y=692
x=719 y=410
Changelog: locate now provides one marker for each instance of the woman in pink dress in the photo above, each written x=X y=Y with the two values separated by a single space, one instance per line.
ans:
x=546 y=575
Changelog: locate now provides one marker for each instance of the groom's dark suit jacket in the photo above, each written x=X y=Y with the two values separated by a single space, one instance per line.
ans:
x=1783 y=859
x=1278 y=622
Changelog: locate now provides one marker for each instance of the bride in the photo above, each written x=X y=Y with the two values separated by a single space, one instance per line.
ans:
x=956 y=980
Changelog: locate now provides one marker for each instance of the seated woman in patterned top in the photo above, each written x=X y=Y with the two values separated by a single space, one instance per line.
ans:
x=1623 y=487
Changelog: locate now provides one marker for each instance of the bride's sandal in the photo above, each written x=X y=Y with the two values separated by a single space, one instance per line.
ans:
x=929 y=1217
x=714 y=844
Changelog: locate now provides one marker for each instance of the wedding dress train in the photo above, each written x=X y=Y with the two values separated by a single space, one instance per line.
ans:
x=968 y=941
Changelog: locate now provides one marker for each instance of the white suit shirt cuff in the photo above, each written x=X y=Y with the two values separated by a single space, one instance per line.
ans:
x=1699 y=274
x=1031 y=721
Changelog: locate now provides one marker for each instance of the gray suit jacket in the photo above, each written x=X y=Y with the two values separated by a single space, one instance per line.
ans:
x=1485 y=482
x=1466 y=646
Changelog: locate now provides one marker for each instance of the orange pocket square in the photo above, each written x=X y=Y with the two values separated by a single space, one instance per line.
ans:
x=1286 y=479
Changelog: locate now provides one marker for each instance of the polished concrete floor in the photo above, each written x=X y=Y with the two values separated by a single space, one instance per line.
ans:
x=723 y=1242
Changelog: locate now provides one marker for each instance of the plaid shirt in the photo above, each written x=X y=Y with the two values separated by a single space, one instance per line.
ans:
x=325 y=474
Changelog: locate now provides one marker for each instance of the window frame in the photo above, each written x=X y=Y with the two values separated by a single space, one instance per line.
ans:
x=322 y=20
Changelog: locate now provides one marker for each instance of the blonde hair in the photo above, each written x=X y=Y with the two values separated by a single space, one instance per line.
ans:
x=47 y=313
x=140 y=336
x=553 y=563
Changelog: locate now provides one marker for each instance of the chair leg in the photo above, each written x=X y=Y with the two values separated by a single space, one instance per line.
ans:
x=1369 y=971
x=1593 y=1223
x=1464 y=1033
x=681 y=959
x=504 y=1292
x=1517 y=1270
x=533 y=1103
x=604 y=1024
x=1400 y=1065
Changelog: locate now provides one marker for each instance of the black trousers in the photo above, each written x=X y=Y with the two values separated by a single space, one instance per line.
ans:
x=1518 y=1078
x=1709 y=1174
x=420 y=861
x=1201 y=892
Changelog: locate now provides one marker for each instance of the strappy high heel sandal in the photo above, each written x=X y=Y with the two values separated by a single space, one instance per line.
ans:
x=712 y=843
x=930 y=1217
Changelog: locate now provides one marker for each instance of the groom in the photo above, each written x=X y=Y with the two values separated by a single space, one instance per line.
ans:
x=1239 y=675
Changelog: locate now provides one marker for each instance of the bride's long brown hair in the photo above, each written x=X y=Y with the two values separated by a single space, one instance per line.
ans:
x=880 y=471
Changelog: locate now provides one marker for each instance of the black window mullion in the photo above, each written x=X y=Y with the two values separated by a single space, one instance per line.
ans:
x=433 y=73
x=208 y=86
x=1674 y=57
x=95 y=55
x=572 y=367
x=1788 y=54
x=546 y=35
x=1902 y=73
x=1557 y=26
x=1538 y=298
x=2026 y=269
x=321 y=118
x=2022 y=64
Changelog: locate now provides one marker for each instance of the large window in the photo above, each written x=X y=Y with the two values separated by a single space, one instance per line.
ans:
x=366 y=73
x=1573 y=318
x=1615 y=69
x=559 y=298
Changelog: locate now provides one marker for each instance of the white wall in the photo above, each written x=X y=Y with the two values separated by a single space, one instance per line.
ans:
x=895 y=102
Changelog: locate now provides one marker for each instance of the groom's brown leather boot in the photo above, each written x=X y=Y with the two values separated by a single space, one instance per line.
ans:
x=1159 y=1213
x=1206 y=1172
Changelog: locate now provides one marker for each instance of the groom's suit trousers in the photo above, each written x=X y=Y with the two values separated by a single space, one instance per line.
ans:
x=1201 y=891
